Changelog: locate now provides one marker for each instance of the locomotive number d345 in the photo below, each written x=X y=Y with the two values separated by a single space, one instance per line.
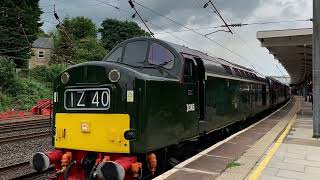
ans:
x=87 y=99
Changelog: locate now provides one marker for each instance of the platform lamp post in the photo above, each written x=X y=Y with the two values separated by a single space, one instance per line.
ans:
x=316 y=68
x=305 y=92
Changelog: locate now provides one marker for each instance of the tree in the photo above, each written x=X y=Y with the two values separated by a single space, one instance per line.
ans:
x=76 y=41
x=18 y=28
x=114 y=32
x=88 y=49
x=41 y=33
x=80 y=27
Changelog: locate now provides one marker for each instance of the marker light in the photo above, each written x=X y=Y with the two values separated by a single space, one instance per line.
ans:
x=114 y=75
x=130 y=135
x=65 y=78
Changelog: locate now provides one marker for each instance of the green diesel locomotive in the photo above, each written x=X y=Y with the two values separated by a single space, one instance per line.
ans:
x=112 y=117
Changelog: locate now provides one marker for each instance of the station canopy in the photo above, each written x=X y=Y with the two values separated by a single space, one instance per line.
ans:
x=292 y=48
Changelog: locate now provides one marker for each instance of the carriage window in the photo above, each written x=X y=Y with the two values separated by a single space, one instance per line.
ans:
x=237 y=71
x=158 y=55
x=135 y=52
x=115 y=56
x=227 y=69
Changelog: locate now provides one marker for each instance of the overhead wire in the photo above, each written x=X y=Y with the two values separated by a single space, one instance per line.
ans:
x=137 y=13
x=127 y=13
x=116 y=7
x=250 y=50
x=189 y=29
x=238 y=36
x=215 y=42
x=216 y=11
x=244 y=24
x=202 y=35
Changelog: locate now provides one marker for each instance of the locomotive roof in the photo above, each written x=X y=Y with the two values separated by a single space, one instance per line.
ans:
x=213 y=64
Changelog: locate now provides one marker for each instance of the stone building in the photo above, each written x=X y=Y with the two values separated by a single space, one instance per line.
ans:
x=42 y=49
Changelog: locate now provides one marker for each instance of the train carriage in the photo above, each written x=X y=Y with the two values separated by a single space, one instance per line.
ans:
x=112 y=117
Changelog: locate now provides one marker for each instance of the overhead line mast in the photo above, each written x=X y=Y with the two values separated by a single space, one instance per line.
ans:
x=196 y=32
x=137 y=13
x=217 y=12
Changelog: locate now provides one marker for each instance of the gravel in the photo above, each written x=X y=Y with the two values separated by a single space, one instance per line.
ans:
x=21 y=151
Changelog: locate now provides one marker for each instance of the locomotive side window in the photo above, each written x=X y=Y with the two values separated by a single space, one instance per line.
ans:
x=160 y=56
x=115 y=56
x=188 y=71
x=135 y=52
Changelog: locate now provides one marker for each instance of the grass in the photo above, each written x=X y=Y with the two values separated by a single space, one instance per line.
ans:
x=232 y=164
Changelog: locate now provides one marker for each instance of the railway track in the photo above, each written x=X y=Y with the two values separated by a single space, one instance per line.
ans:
x=24 y=125
x=24 y=136
x=14 y=166
x=10 y=171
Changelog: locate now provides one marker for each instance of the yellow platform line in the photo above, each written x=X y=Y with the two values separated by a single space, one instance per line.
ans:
x=257 y=172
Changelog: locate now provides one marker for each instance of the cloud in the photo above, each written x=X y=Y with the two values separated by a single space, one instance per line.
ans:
x=191 y=13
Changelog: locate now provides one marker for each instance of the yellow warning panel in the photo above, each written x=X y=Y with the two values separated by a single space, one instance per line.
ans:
x=92 y=132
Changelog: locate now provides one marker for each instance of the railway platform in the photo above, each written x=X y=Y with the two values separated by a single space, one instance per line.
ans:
x=276 y=148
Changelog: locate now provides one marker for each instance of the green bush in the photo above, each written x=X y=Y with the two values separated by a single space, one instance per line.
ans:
x=21 y=92
x=46 y=75
x=26 y=92
x=5 y=102
x=7 y=73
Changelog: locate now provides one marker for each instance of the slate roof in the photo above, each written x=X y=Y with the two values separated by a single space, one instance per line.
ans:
x=43 y=42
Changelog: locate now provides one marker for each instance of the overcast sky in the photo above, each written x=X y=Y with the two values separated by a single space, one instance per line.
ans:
x=191 y=13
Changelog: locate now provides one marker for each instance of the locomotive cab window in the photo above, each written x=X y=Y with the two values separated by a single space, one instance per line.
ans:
x=115 y=55
x=135 y=52
x=160 y=56
x=188 y=71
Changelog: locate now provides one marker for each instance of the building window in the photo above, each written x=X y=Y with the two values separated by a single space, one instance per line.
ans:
x=40 y=54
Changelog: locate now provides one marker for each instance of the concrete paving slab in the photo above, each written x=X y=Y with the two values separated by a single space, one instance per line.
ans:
x=302 y=161
x=302 y=133
x=304 y=126
x=292 y=155
x=313 y=157
x=295 y=150
x=229 y=150
x=311 y=177
x=187 y=175
x=290 y=174
x=209 y=163
x=312 y=170
x=230 y=176
x=270 y=171
x=271 y=177
x=287 y=166
x=305 y=142
x=243 y=140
